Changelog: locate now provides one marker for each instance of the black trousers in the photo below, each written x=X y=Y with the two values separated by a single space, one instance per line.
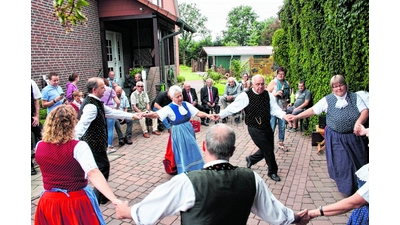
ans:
x=103 y=164
x=207 y=108
x=264 y=139
x=36 y=135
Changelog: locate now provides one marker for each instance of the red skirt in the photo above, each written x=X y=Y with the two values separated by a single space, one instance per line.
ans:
x=56 y=208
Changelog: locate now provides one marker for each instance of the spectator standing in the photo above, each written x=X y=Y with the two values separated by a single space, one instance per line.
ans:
x=66 y=164
x=72 y=86
x=36 y=126
x=258 y=105
x=137 y=78
x=141 y=103
x=76 y=104
x=280 y=88
x=303 y=99
x=111 y=79
x=92 y=127
x=184 y=145
x=124 y=106
x=245 y=82
x=220 y=193
x=109 y=98
x=189 y=95
x=345 y=148
x=52 y=94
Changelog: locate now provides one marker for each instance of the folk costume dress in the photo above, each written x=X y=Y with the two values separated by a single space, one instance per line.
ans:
x=67 y=198
x=345 y=152
x=186 y=151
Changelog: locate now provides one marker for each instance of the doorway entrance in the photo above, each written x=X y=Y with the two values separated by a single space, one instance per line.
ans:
x=115 y=55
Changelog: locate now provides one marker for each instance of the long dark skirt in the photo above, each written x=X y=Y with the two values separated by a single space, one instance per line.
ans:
x=345 y=154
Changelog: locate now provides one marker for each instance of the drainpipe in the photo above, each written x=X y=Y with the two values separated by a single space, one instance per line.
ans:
x=182 y=26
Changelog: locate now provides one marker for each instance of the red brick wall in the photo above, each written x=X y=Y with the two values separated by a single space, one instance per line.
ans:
x=54 y=50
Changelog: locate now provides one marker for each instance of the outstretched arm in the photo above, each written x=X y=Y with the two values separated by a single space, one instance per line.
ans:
x=342 y=206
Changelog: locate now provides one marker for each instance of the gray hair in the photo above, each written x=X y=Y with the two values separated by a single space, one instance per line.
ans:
x=174 y=89
x=93 y=83
x=139 y=82
x=255 y=76
x=220 y=141
x=338 y=79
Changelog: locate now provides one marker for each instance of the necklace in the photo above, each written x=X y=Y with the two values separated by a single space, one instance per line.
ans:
x=259 y=122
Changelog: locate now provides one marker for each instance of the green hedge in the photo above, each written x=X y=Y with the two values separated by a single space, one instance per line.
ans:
x=319 y=39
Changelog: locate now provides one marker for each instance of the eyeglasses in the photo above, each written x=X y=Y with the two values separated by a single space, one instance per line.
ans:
x=338 y=86
x=139 y=86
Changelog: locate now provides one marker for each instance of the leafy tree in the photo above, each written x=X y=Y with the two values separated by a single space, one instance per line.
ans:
x=192 y=16
x=70 y=13
x=241 y=23
x=272 y=24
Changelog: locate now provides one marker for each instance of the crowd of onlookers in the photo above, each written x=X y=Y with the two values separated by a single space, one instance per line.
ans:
x=81 y=130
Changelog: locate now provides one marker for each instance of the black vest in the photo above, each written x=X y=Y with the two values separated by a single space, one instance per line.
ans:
x=342 y=120
x=222 y=197
x=258 y=113
x=33 y=108
x=96 y=134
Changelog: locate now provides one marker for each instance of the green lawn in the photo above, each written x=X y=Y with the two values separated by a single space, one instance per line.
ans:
x=187 y=73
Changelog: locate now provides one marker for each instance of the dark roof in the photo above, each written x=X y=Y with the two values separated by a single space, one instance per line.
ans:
x=179 y=22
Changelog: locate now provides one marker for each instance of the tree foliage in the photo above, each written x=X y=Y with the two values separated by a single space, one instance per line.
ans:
x=319 y=39
x=70 y=13
x=272 y=24
x=241 y=25
x=192 y=16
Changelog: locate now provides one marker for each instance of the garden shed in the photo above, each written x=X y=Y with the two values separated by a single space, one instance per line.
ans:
x=221 y=56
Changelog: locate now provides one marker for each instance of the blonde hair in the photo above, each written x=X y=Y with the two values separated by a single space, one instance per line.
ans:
x=76 y=93
x=59 y=125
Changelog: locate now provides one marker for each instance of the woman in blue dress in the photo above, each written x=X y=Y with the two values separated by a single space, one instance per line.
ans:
x=186 y=151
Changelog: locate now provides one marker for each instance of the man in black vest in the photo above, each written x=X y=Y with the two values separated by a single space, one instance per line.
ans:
x=258 y=105
x=92 y=126
x=220 y=193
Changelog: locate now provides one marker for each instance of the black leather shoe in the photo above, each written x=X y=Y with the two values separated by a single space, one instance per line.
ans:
x=204 y=123
x=121 y=142
x=127 y=141
x=33 y=171
x=248 y=162
x=275 y=177
x=224 y=120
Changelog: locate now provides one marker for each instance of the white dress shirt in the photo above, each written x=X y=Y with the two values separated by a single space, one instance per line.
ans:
x=178 y=195
x=89 y=113
x=168 y=112
x=242 y=100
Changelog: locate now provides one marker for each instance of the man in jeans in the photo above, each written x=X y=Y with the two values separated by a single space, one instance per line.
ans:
x=124 y=106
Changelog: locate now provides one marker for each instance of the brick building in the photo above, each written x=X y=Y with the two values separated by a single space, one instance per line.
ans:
x=119 y=34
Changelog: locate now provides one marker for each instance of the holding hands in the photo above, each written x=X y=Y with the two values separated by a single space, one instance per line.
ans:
x=123 y=210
